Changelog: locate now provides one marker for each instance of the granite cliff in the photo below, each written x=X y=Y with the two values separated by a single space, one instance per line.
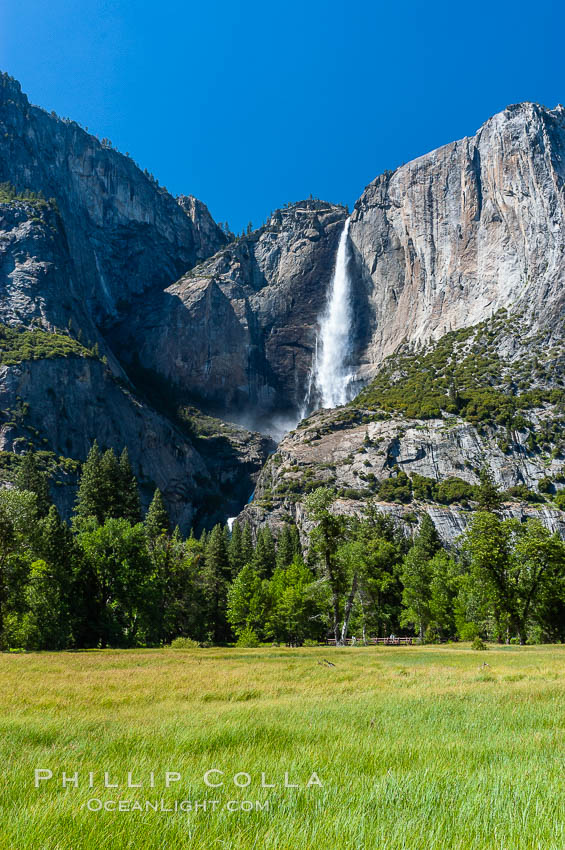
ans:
x=131 y=317
x=478 y=225
x=238 y=331
x=68 y=266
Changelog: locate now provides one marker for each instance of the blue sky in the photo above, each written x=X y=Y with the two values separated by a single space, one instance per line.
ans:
x=250 y=105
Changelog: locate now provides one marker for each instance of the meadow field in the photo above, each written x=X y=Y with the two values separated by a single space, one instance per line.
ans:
x=422 y=748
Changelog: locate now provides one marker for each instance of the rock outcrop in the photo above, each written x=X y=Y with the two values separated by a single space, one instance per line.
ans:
x=125 y=233
x=68 y=266
x=448 y=239
x=353 y=451
x=238 y=331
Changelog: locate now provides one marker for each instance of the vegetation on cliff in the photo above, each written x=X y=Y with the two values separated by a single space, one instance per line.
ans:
x=18 y=344
x=463 y=374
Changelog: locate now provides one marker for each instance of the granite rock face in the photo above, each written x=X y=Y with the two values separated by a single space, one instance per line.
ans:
x=173 y=313
x=238 y=331
x=71 y=402
x=68 y=267
x=353 y=451
x=441 y=243
x=448 y=239
x=125 y=233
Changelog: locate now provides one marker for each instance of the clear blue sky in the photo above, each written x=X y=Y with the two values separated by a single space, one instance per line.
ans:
x=250 y=105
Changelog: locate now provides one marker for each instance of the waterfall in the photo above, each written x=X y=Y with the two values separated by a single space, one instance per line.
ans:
x=331 y=368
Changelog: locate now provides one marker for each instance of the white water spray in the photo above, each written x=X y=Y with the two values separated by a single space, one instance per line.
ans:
x=332 y=373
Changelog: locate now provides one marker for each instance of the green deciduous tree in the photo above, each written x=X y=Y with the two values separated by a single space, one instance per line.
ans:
x=417 y=574
x=125 y=584
x=247 y=601
x=295 y=612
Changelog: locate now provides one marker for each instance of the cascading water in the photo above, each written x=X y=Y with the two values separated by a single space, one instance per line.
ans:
x=331 y=369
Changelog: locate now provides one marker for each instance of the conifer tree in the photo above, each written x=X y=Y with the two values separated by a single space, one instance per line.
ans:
x=246 y=544
x=285 y=548
x=129 y=494
x=428 y=538
x=91 y=497
x=235 y=549
x=488 y=494
x=264 y=556
x=111 y=482
x=216 y=578
x=56 y=546
x=107 y=488
x=157 y=520
x=30 y=477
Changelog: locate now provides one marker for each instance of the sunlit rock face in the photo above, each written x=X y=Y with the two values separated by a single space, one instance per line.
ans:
x=125 y=233
x=446 y=240
x=174 y=311
x=353 y=454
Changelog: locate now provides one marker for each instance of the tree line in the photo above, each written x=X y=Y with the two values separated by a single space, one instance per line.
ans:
x=114 y=578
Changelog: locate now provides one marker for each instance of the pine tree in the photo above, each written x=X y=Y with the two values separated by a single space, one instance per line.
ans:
x=428 y=538
x=111 y=482
x=216 y=578
x=286 y=547
x=157 y=519
x=107 y=488
x=235 y=549
x=488 y=494
x=130 y=508
x=91 y=496
x=30 y=477
x=264 y=556
x=246 y=544
x=56 y=546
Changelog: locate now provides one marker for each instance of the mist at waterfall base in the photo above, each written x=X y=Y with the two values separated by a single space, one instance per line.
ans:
x=331 y=379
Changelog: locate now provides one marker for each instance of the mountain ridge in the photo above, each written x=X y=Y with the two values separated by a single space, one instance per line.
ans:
x=177 y=322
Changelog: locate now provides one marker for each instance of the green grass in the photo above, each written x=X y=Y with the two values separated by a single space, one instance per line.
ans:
x=416 y=747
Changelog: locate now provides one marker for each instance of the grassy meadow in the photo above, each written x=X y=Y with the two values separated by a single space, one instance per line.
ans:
x=416 y=747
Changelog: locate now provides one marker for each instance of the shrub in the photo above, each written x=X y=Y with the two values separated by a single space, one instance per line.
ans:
x=560 y=500
x=18 y=345
x=248 y=638
x=396 y=489
x=184 y=643
x=423 y=487
x=545 y=485
x=310 y=642
x=521 y=492
x=478 y=644
x=454 y=490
